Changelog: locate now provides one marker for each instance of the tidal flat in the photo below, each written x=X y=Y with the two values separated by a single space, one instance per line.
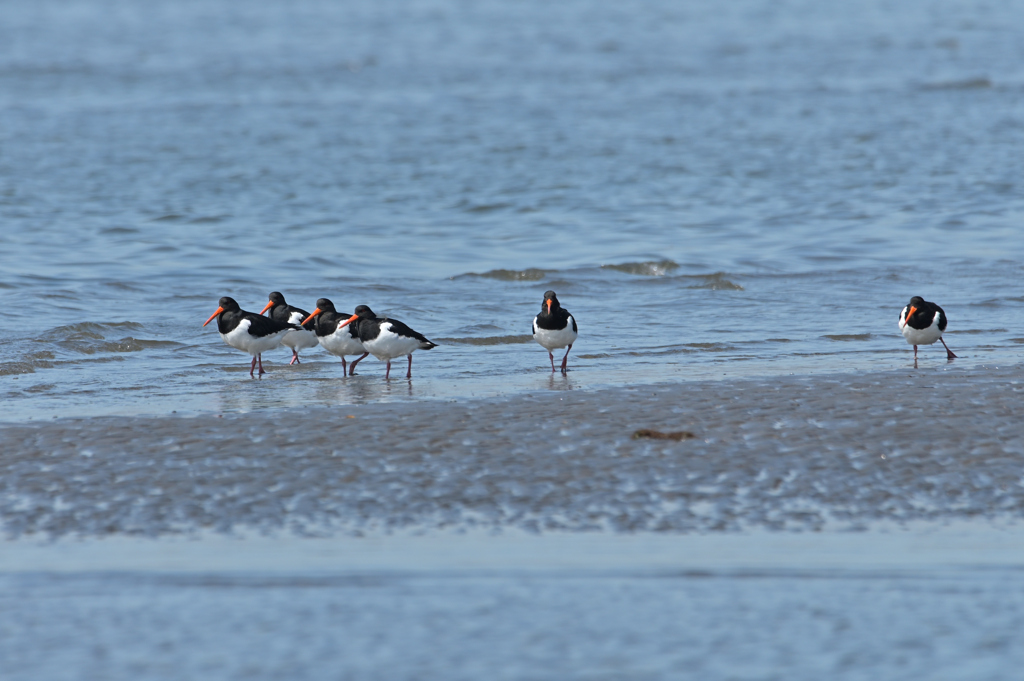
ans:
x=853 y=526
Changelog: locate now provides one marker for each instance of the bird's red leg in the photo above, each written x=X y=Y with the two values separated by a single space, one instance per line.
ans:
x=408 y=374
x=295 y=357
x=566 y=358
x=387 y=374
x=344 y=367
x=352 y=369
x=915 y=353
x=552 y=358
x=253 y=367
x=260 y=358
x=949 y=353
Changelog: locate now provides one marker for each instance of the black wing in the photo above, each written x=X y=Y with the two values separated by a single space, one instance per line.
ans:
x=261 y=326
x=403 y=330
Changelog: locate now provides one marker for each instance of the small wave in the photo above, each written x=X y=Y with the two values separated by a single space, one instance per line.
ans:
x=15 y=368
x=170 y=217
x=485 y=207
x=122 y=286
x=979 y=83
x=130 y=344
x=91 y=338
x=488 y=340
x=716 y=282
x=529 y=274
x=476 y=329
x=113 y=231
x=713 y=347
x=848 y=336
x=654 y=268
x=976 y=331
x=90 y=329
x=685 y=349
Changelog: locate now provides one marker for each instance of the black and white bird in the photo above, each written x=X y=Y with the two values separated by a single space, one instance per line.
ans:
x=336 y=337
x=554 y=328
x=297 y=339
x=386 y=338
x=922 y=323
x=248 y=331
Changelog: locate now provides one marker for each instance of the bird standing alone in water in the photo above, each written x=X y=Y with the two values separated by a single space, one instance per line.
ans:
x=922 y=323
x=554 y=328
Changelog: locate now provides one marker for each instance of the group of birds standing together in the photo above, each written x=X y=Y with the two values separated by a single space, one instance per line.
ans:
x=364 y=333
x=361 y=333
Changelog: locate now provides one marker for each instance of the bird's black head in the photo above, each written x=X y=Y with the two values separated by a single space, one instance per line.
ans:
x=229 y=304
x=916 y=304
x=322 y=305
x=225 y=304
x=550 y=303
x=364 y=312
x=275 y=299
x=325 y=305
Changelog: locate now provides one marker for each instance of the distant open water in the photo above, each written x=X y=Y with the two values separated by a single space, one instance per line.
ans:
x=712 y=191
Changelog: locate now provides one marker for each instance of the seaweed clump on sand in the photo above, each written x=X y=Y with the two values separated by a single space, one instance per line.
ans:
x=647 y=433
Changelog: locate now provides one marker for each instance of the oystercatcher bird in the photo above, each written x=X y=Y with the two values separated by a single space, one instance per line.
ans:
x=386 y=338
x=336 y=338
x=922 y=323
x=248 y=331
x=554 y=328
x=300 y=338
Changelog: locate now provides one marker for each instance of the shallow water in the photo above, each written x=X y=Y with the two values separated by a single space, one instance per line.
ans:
x=792 y=623
x=751 y=192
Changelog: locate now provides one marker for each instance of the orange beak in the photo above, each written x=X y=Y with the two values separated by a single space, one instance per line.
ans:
x=910 y=313
x=549 y=305
x=270 y=304
x=311 y=315
x=348 y=321
x=219 y=310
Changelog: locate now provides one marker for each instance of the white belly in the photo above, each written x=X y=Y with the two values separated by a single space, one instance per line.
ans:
x=240 y=339
x=921 y=336
x=299 y=340
x=341 y=343
x=388 y=344
x=554 y=339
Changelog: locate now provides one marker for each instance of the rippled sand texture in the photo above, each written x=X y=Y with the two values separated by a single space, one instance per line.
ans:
x=799 y=453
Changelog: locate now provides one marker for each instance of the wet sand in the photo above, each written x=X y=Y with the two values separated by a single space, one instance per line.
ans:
x=799 y=453
x=845 y=526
